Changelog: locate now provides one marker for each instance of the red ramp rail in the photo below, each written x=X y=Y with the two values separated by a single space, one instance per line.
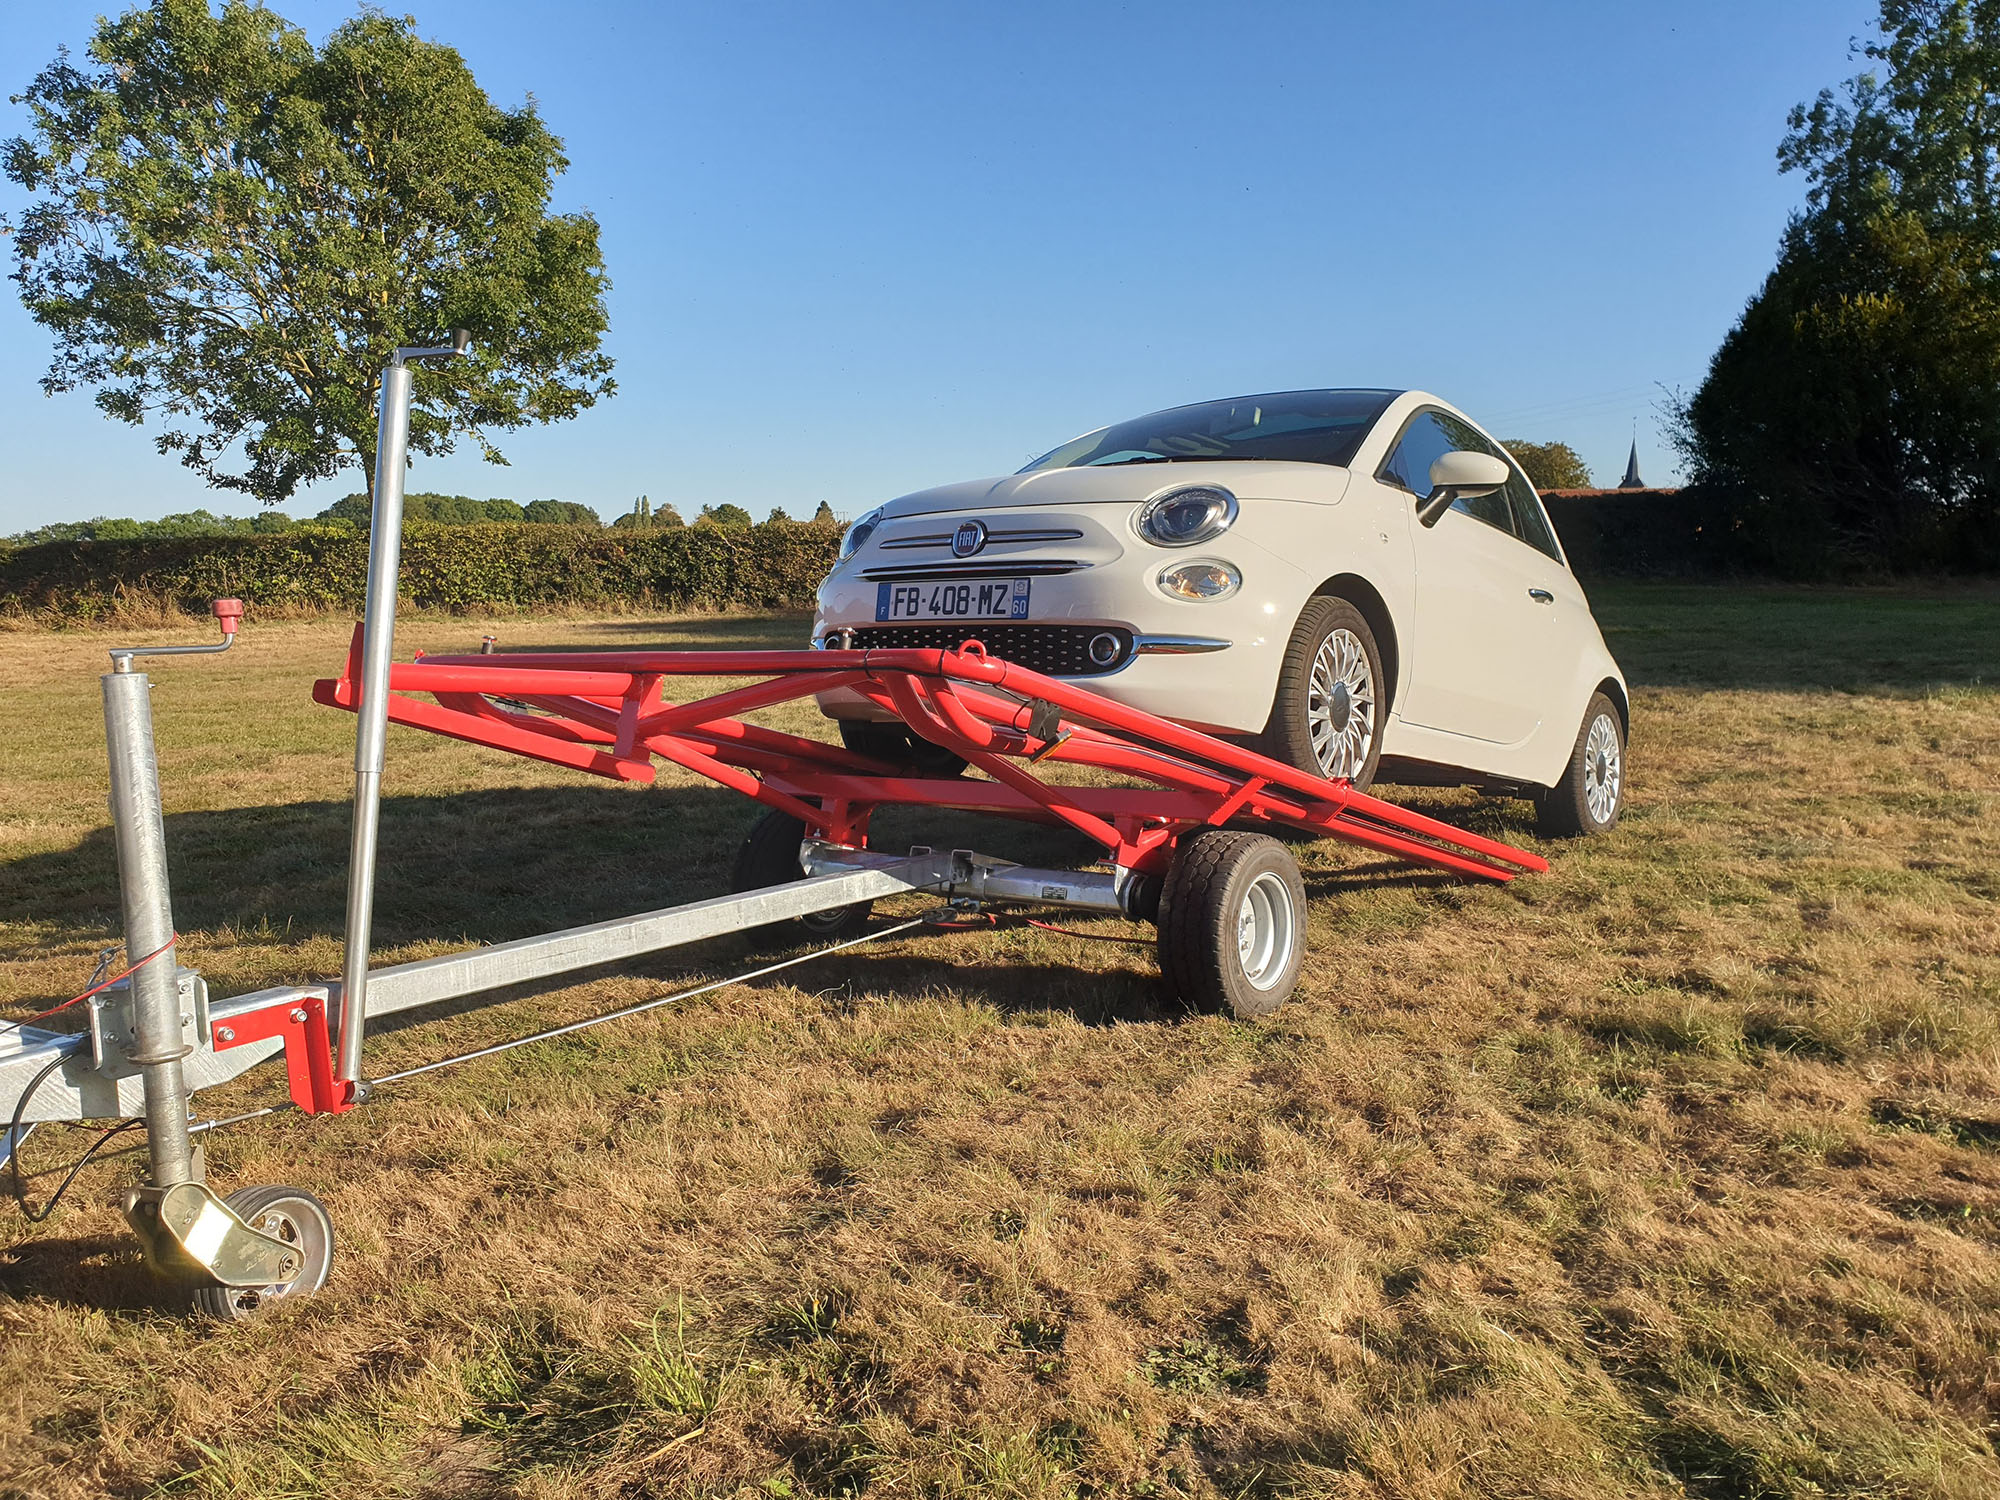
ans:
x=604 y=712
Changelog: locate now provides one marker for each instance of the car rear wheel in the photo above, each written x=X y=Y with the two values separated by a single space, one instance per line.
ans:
x=1591 y=793
x=1332 y=696
x=894 y=744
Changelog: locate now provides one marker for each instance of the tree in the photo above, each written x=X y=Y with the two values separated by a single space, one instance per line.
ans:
x=723 y=515
x=1853 y=412
x=824 y=515
x=234 y=230
x=560 y=513
x=1550 y=466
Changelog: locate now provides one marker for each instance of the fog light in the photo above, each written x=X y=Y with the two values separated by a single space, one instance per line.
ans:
x=1203 y=580
x=1105 y=648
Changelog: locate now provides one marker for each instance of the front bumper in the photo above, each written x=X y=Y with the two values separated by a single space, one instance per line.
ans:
x=1212 y=664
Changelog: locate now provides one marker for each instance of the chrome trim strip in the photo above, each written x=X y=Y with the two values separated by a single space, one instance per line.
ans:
x=983 y=567
x=1177 y=645
x=943 y=538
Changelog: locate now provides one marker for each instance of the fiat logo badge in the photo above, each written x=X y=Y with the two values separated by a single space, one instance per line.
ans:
x=968 y=539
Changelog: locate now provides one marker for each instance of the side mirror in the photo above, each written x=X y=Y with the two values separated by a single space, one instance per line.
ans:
x=1461 y=475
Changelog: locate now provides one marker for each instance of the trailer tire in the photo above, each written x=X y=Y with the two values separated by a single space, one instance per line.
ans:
x=899 y=746
x=292 y=1214
x=770 y=856
x=1332 y=698
x=1232 y=923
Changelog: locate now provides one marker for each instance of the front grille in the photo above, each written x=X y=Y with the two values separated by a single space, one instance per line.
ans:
x=1052 y=650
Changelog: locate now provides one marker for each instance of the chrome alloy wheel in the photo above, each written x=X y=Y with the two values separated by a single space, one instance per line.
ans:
x=1340 y=705
x=1603 y=769
x=1266 y=930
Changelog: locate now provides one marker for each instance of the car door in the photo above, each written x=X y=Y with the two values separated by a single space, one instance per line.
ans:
x=1488 y=650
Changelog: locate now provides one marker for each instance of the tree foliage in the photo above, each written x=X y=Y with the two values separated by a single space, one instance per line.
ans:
x=724 y=514
x=1550 y=466
x=462 y=510
x=233 y=230
x=1854 y=409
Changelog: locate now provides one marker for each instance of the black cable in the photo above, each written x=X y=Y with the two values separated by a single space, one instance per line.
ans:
x=20 y=1194
x=14 y=1138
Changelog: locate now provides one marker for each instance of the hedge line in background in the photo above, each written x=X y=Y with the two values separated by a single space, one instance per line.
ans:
x=773 y=566
x=1645 y=534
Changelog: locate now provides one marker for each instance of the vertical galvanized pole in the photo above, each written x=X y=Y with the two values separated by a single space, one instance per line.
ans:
x=140 y=834
x=378 y=642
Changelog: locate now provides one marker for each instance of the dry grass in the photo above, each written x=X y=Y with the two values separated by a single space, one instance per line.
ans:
x=1671 y=1172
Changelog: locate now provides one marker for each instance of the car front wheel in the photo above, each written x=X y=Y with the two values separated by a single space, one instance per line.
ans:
x=1327 y=717
x=1591 y=793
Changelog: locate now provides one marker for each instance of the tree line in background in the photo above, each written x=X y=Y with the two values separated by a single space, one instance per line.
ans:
x=1851 y=418
x=353 y=513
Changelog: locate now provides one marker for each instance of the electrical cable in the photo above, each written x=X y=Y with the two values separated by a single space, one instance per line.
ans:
x=94 y=989
x=15 y=1137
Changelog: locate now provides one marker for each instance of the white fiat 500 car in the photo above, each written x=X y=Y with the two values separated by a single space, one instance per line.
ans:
x=1361 y=579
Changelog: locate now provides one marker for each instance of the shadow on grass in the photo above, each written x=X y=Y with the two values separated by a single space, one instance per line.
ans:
x=104 y=1272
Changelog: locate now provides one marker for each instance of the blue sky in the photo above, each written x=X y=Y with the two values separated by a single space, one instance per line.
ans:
x=859 y=249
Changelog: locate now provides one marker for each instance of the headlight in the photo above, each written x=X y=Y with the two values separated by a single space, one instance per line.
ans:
x=1184 y=517
x=1201 y=581
x=859 y=532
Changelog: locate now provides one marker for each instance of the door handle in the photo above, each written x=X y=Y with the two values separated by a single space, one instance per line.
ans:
x=1541 y=596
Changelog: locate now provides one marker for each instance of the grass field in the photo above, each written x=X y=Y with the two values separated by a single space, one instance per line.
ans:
x=1672 y=1172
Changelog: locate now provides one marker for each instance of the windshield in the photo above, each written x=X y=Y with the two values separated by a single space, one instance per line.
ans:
x=1310 y=427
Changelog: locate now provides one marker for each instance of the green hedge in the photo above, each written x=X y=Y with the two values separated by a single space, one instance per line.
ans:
x=776 y=565
x=1653 y=534
x=1638 y=534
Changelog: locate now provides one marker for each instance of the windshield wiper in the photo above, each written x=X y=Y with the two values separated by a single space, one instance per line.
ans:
x=1169 y=458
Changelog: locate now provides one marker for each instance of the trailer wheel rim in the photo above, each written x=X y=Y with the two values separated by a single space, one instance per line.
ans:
x=1603 y=768
x=300 y=1230
x=1266 y=931
x=1340 y=704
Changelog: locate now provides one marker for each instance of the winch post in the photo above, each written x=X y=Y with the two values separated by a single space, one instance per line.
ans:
x=378 y=644
x=140 y=836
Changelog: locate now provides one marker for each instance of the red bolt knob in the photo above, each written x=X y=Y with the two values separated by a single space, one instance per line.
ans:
x=227 y=612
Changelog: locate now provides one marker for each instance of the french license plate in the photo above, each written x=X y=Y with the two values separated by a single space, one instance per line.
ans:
x=941 y=599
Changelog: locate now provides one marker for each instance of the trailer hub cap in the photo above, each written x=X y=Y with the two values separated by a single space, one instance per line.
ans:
x=1340 y=705
x=1266 y=930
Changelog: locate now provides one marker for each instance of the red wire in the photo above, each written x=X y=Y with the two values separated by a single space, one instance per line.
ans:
x=95 y=988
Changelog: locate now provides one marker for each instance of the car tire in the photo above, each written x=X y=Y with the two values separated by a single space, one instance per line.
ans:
x=1591 y=793
x=1332 y=698
x=897 y=746
x=1232 y=923
x=770 y=856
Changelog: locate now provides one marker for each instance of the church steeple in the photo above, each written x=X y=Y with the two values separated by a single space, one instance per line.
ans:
x=1632 y=481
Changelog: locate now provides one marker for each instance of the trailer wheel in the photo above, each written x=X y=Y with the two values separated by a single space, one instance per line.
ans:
x=1232 y=922
x=897 y=745
x=770 y=856
x=293 y=1215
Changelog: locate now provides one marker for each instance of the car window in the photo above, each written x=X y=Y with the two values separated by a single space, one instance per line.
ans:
x=1531 y=522
x=1431 y=435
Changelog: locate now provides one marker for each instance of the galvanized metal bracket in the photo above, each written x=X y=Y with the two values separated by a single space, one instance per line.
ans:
x=190 y=1233
x=114 y=1049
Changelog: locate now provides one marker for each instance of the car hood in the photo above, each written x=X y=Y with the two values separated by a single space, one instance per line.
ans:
x=1128 y=484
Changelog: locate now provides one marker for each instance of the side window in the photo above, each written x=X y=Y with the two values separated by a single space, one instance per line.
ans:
x=1493 y=509
x=1531 y=522
x=1423 y=442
